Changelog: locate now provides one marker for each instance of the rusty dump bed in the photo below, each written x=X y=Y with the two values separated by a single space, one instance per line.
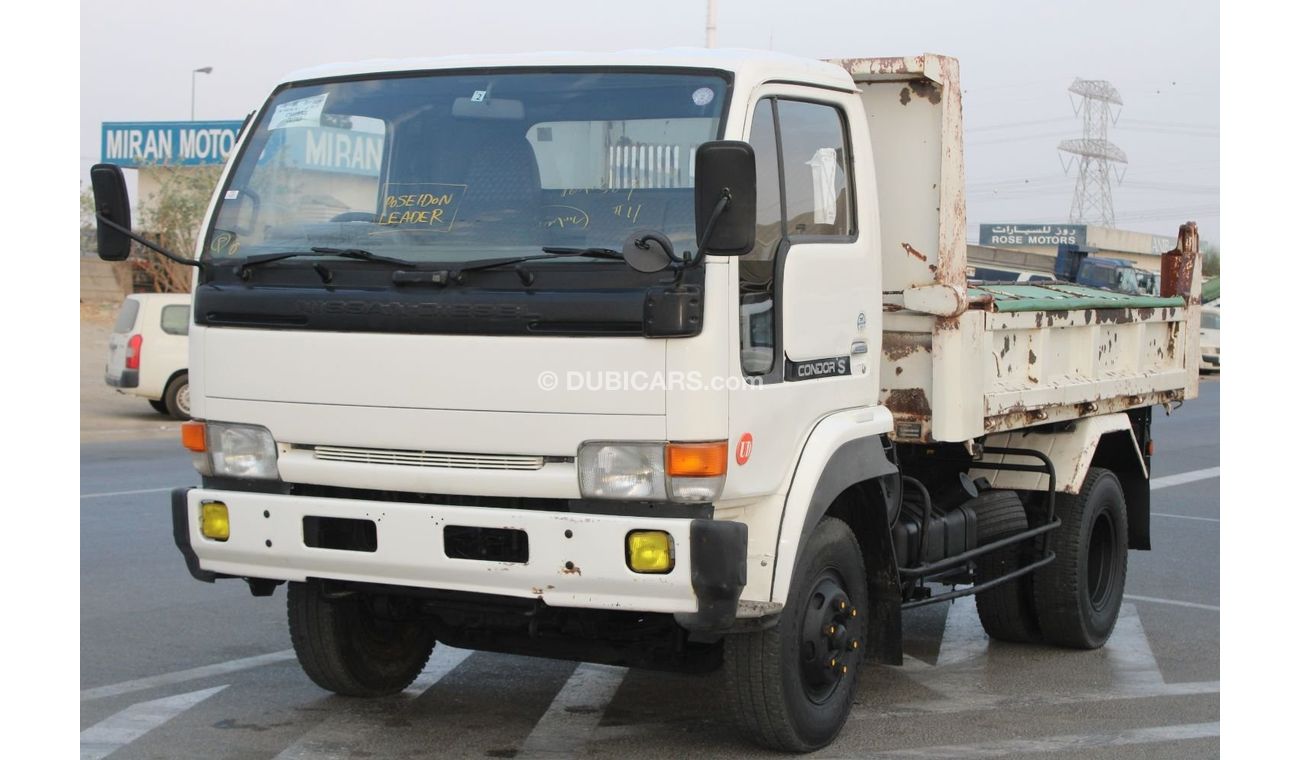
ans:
x=961 y=360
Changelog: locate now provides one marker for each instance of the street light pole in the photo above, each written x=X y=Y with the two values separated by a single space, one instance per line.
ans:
x=193 y=78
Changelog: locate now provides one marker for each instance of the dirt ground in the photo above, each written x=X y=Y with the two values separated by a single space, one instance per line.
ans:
x=105 y=413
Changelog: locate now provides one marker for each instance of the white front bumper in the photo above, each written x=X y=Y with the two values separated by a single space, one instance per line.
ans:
x=266 y=541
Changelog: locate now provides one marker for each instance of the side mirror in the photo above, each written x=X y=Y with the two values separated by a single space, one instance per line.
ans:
x=725 y=169
x=112 y=204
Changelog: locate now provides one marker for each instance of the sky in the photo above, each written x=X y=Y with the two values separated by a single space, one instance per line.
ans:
x=1018 y=57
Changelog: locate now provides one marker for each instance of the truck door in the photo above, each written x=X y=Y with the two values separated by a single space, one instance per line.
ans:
x=808 y=303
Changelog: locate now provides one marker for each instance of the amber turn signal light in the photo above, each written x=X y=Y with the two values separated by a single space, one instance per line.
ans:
x=696 y=460
x=194 y=436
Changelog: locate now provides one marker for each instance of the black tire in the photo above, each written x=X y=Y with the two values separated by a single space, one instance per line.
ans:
x=344 y=648
x=1006 y=611
x=1078 y=596
x=176 y=398
x=159 y=406
x=783 y=692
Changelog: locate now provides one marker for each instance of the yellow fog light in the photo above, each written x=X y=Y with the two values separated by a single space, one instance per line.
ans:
x=214 y=521
x=649 y=551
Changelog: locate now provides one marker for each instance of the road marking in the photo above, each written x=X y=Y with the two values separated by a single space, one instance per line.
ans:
x=1183 y=478
x=986 y=701
x=574 y=713
x=123 y=493
x=1076 y=742
x=120 y=729
x=1185 y=517
x=180 y=676
x=1133 y=664
x=960 y=673
x=339 y=735
x=1172 y=602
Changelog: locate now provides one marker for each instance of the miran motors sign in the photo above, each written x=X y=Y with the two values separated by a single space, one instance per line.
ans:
x=208 y=143
x=1014 y=235
x=171 y=143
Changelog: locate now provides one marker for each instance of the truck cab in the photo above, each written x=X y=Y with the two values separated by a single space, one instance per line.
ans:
x=664 y=359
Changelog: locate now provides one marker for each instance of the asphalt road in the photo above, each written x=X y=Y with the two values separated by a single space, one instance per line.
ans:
x=171 y=667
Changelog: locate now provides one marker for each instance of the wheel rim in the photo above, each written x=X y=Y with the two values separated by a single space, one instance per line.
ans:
x=827 y=638
x=183 y=399
x=1101 y=560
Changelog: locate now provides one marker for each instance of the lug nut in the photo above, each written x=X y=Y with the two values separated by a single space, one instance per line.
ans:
x=843 y=604
x=844 y=669
x=830 y=630
x=833 y=663
x=853 y=612
x=854 y=644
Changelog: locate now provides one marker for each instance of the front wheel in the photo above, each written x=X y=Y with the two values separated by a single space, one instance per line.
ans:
x=791 y=686
x=346 y=648
x=1078 y=596
x=159 y=406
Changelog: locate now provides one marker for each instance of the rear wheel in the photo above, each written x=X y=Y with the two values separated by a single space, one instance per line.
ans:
x=159 y=406
x=176 y=398
x=346 y=648
x=1078 y=596
x=1006 y=611
x=791 y=686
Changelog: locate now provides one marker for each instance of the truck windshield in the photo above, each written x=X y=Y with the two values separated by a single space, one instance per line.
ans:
x=459 y=167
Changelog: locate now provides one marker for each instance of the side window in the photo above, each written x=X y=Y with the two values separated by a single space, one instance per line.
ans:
x=816 y=183
x=757 y=268
x=176 y=319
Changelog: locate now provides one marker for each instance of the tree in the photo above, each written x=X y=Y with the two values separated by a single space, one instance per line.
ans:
x=87 y=221
x=1210 y=264
x=171 y=217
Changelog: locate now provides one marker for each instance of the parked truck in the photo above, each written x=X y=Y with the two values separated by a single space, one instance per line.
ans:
x=661 y=359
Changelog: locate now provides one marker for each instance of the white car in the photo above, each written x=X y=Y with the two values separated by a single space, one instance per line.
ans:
x=148 y=352
x=1210 y=339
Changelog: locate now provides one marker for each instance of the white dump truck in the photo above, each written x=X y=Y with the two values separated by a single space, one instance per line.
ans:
x=661 y=359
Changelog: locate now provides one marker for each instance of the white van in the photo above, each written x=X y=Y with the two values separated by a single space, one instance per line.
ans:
x=1210 y=337
x=148 y=351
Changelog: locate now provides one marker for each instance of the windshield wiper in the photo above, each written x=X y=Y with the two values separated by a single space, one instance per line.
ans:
x=347 y=253
x=595 y=253
x=550 y=252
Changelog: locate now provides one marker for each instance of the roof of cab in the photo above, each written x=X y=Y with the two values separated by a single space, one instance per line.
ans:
x=754 y=66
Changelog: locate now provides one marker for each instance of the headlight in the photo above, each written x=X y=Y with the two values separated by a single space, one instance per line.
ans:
x=629 y=471
x=684 y=472
x=232 y=451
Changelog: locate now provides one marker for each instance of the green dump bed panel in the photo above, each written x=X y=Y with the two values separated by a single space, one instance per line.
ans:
x=1062 y=297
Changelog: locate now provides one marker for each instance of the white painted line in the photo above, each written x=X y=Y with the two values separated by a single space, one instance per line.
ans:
x=120 y=729
x=181 y=676
x=987 y=701
x=1172 y=602
x=1183 y=478
x=340 y=735
x=1185 y=517
x=574 y=713
x=1089 y=743
x=124 y=493
x=1132 y=663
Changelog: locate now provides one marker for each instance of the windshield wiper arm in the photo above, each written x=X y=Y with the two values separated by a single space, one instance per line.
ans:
x=595 y=253
x=549 y=252
x=347 y=253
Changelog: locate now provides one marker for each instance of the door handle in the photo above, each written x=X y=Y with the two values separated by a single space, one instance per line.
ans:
x=859 y=347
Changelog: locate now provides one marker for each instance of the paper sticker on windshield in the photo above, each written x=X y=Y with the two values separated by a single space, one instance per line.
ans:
x=429 y=205
x=702 y=96
x=299 y=113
